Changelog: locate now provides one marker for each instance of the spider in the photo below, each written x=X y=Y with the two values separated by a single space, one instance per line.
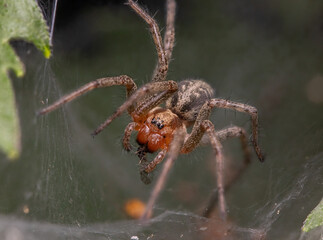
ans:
x=164 y=129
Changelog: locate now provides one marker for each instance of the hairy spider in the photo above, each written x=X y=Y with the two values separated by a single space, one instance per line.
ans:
x=187 y=103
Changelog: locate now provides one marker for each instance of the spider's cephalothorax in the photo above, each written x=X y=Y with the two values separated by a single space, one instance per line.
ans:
x=189 y=99
x=156 y=128
x=163 y=130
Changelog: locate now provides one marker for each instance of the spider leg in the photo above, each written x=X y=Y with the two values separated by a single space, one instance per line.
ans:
x=158 y=159
x=203 y=125
x=142 y=154
x=252 y=111
x=99 y=83
x=152 y=101
x=223 y=135
x=161 y=72
x=172 y=155
x=239 y=132
x=150 y=88
x=208 y=127
x=169 y=36
x=127 y=134
x=197 y=132
x=147 y=167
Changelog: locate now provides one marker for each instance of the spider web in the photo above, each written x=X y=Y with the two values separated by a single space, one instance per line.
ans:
x=69 y=186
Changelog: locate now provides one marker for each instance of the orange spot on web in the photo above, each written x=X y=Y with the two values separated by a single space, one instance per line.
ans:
x=134 y=208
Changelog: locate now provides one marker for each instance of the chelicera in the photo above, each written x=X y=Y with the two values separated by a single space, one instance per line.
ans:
x=164 y=129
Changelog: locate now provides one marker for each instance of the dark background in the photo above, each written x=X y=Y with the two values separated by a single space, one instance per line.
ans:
x=264 y=53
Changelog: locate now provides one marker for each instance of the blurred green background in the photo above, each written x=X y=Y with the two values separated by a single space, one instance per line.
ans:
x=266 y=53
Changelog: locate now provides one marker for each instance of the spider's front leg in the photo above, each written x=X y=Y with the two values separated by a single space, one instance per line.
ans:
x=164 y=50
x=169 y=36
x=122 y=80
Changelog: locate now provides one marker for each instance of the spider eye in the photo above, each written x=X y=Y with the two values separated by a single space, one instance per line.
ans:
x=158 y=123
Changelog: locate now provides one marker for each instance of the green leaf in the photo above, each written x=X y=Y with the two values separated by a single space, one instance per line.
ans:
x=19 y=19
x=315 y=218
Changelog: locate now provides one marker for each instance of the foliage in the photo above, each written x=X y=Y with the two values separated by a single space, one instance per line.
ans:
x=19 y=19
x=315 y=218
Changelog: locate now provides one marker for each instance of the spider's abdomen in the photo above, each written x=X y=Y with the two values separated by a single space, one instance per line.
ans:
x=189 y=99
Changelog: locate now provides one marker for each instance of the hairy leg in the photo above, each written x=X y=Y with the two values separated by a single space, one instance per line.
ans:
x=202 y=125
x=169 y=36
x=223 y=135
x=197 y=132
x=152 y=101
x=147 y=167
x=99 y=83
x=142 y=155
x=208 y=127
x=127 y=134
x=158 y=159
x=252 y=111
x=161 y=72
x=239 y=132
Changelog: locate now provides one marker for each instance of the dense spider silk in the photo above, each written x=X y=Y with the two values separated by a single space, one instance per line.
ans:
x=66 y=177
x=172 y=224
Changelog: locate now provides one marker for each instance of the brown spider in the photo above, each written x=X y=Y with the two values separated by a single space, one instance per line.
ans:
x=187 y=103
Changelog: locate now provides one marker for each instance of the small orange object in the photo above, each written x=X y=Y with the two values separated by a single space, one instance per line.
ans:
x=134 y=208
